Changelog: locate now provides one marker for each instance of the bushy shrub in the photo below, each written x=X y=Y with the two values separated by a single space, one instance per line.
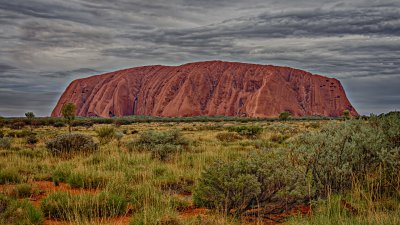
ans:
x=69 y=143
x=278 y=138
x=69 y=207
x=9 y=176
x=31 y=139
x=5 y=143
x=20 y=213
x=284 y=115
x=163 y=152
x=105 y=134
x=1 y=134
x=162 y=145
x=247 y=131
x=228 y=137
x=234 y=187
x=152 y=138
x=354 y=151
x=59 y=124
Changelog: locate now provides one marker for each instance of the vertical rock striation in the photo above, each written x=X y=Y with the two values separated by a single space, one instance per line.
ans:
x=208 y=89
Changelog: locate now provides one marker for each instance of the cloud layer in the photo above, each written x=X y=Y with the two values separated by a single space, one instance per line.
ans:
x=45 y=44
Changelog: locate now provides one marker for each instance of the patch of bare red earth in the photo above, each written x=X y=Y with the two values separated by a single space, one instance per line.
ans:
x=251 y=217
x=47 y=187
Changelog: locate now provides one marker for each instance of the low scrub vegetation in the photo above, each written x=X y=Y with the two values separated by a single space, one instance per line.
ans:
x=246 y=131
x=19 y=212
x=201 y=171
x=105 y=134
x=70 y=143
x=83 y=206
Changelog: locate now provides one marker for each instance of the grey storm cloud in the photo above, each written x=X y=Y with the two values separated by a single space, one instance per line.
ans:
x=45 y=44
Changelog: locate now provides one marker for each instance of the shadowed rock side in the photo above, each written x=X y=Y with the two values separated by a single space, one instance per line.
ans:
x=209 y=89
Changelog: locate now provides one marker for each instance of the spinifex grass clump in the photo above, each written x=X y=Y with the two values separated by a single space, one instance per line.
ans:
x=70 y=143
x=105 y=134
x=19 y=212
x=161 y=144
x=9 y=175
x=83 y=206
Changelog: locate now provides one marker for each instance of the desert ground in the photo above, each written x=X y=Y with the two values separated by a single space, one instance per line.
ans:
x=342 y=171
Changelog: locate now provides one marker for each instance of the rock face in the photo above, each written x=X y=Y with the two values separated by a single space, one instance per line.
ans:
x=209 y=89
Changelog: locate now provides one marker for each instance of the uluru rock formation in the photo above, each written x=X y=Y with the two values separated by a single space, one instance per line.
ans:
x=207 y=89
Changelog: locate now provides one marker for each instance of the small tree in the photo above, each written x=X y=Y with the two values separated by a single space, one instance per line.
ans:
x=30 y=116
x=284 y=115
x=68 y=112
x=346 y=114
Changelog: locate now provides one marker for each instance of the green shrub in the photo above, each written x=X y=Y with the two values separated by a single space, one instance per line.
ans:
x=105 y=134
x=21 y=213
x=9 y=176
x=342 y=154
x=1 y=134
x=152 y=138
x=228 y=137
x=234 y=187
x=247 y=131
x=59 y=124
x=163 y=152
x=284 y=115
x=5 y=143
x=278 y=138
x=69 y=143
x=32 y=139
x=87 y=206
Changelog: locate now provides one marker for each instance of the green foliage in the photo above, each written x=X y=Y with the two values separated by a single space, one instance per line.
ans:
x=346 y=114
x=5 y=143
x=162 y=145
x=284 y=115
x=19 y=134
x=68 y=111
x=22 y=191
x=105 y=134
x=1 y=134
x=247 y=131
x=30 y=115
x=344 y=153
x=228 y=137
x=59 y=124
x=19 y=212
x=9 y=176
x=86 y=179
x=278 y=138
x=164 y=151
x=32 y=139
x=69 y=143
x=71 y=207
x=234 y=187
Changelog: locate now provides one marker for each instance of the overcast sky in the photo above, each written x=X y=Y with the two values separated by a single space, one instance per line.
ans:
x=45 y=44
